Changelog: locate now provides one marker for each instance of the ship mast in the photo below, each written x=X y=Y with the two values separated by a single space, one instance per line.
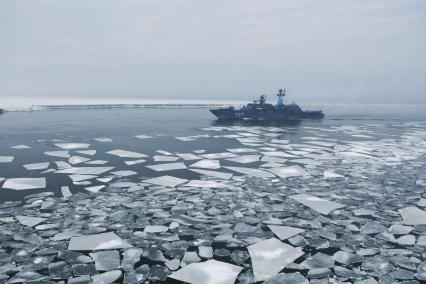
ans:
x=280 y=95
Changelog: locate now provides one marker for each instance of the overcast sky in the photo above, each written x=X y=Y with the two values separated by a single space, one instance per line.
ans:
x=321 y=51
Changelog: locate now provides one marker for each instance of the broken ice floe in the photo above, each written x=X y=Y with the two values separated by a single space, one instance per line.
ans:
x=24 y=183
x=318 y=204
x=413 y=216
x=126 y=154
x=270 y=256
x=208 y=272
x=103 y=241
x=167 y=167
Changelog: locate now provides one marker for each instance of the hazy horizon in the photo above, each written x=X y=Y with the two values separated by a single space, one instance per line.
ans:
x=327 y=52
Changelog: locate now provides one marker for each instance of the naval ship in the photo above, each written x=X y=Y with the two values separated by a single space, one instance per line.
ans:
x=261 y=110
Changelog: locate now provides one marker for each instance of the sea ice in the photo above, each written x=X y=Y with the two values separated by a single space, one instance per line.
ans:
x=103 y=139
x=286 y=172
x=20 y=147
x=134 y=162
x=285 y=232
x=269 y=257
x=87 y=152
x=169 y=181
x=246 y=159
x=106 y=260
x=331 y=175
x=318 y=204
x=215 y=174
x=36 y=166
x=126 y=154
x=206 y=164
x=72 y=146
x=24 y=183
x=188 y=156
x=59 y=154
x=161 y=158
x=6 y=159
x=167 y=167
x=126 y=173
x=74 y=160
x=208 y=272
x=205 y=184
x=85 y=170
x=143 y=136
x=103 y=241
x=95 y=189
x=413 y=216
x=251 y=172
x=65 y=190
x=223 y=155
x=30 y=221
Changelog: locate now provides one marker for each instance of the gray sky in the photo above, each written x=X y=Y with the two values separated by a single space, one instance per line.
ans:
x=321 y=51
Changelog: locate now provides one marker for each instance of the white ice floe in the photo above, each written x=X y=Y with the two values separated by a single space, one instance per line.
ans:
x=188 y=156
x=269 y=257
x=205 y=184
x=95 y=189
x=6 y=159
x=251 y=172
x=36 y=166
x=97 y=162
x=331 y=175
x=103 y=241
x=20 y=147
x=30 y=221
x=273 y=159
x=143 y=136
x=413 y=216
x=241 y=150
x=74 y=160
x=320 y=205
x=78 y=177
x=103 y=139
x=167 y=167
x=24 y=183
x=279 y=154
x=245 y=159
x=286 y=172
x=65 y=190
x=62 y=165
x=85 y=170
x=87 y=152
x=134 y=162
x=206 y=164
x=155 y=229
x=215 y=174
x=285 y=232
x=124 y=173
x=59 y=154
x=72 y=146
x=169 y=181
x=208 y=272
x=223 y=155
x=160 y=158
x=126 y=154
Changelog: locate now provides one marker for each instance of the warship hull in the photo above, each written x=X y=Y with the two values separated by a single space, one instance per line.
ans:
x=235 y=114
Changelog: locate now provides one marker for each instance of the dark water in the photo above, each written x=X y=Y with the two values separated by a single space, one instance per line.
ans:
x=41 y=129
